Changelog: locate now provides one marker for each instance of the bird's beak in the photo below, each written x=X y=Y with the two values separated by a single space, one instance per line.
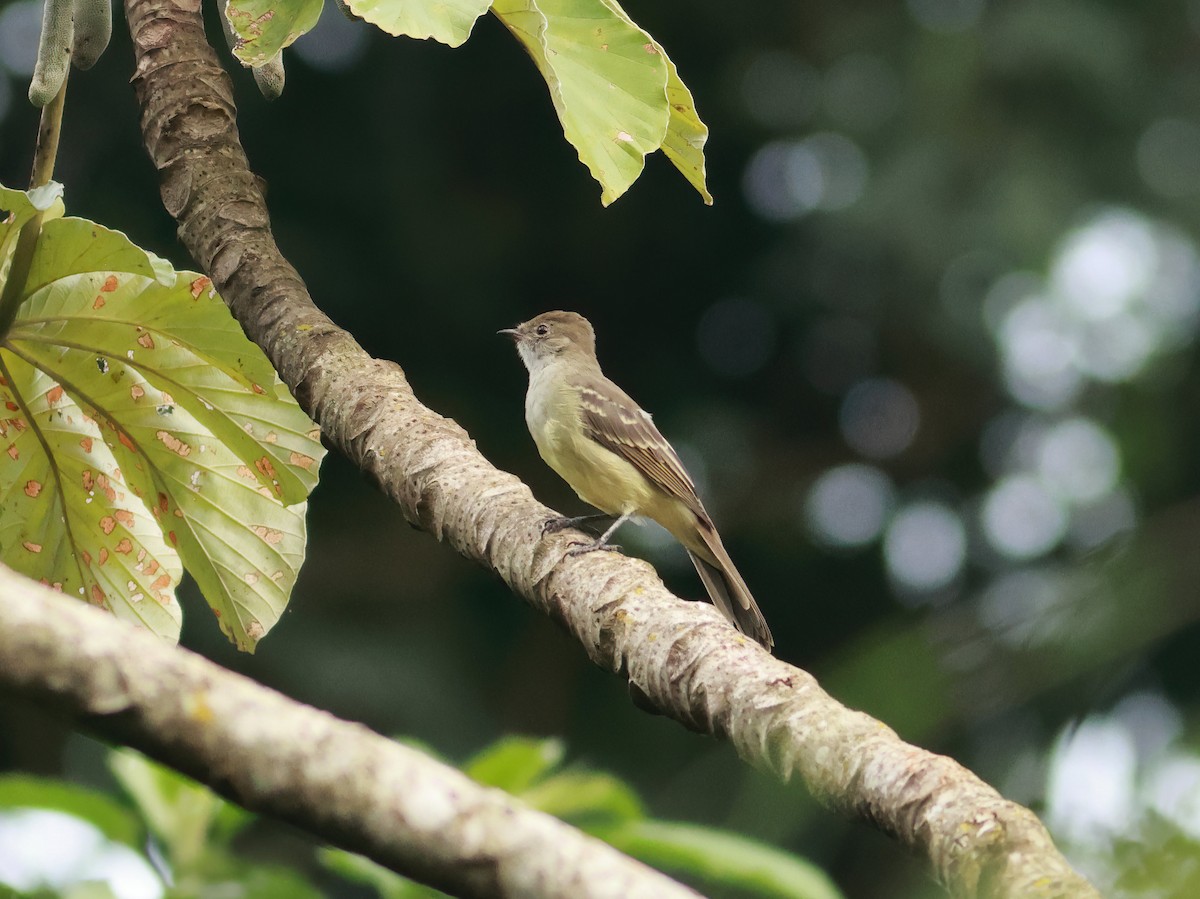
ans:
x=511 y=333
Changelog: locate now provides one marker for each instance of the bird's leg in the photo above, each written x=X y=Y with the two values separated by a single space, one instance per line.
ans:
x=554 y=525
x=601 y=542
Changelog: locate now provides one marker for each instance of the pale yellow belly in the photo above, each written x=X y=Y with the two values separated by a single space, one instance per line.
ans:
x=605 y=480
x=600 y=477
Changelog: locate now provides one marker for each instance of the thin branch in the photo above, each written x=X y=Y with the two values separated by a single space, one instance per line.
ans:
x=681 y=658
x=44 y=156
x=273 y=755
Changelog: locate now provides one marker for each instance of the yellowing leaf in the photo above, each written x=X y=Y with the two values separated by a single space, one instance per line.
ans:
x=686 y=134
x=448 y=21
x=607 y=79
x=68 y=519
x=144 y=430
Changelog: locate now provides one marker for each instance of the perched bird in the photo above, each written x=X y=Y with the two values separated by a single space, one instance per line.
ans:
x=608 y=449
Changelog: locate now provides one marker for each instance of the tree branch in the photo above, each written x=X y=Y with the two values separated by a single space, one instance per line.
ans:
x=273 y=755
x=680 y=657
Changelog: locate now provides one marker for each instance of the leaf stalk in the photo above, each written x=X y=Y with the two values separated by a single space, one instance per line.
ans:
x=44 y=156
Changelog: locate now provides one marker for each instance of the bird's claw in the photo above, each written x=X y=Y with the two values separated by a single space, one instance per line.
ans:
x=554 y=525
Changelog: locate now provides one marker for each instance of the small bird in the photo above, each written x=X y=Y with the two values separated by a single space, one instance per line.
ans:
x=608 y=450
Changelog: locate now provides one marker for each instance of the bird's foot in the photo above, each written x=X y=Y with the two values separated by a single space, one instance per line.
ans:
x=554 y=525
x=582 y=548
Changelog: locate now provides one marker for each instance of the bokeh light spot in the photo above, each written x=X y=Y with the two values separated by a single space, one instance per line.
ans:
x=1022 y=518
x=788 y=179
x=842 y=165
x=1103 y=267
x=925 y=546
x=1038 y=351
x=1151 y=719
x=1173 y=790
x=1090 y=789
x=848 y=505
x=1117 y=348
x=1079 y=459
x=773 y=187
x=51 y=849
x=1172 y=300
x=879 y=418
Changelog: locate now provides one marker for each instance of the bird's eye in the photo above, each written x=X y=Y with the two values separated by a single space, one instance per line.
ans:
x=541 y=330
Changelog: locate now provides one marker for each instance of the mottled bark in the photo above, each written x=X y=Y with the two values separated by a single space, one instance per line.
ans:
x=273 y=755
x=680 y=658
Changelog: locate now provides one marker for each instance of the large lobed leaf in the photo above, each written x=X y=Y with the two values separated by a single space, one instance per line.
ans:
x=617 y=93
x=144 y=433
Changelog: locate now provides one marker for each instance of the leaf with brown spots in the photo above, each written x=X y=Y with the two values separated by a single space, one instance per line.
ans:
x=163 y=412
x=56 y=526
x=265 y=27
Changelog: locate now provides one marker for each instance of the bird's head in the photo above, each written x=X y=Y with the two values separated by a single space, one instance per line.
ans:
x=553 y=335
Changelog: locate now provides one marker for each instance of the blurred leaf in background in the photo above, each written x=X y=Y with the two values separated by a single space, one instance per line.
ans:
x=175 y=837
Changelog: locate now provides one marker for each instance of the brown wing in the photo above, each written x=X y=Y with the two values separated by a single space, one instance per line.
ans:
x=617 y=423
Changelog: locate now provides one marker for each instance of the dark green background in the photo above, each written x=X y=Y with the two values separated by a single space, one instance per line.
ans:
x=428 y=198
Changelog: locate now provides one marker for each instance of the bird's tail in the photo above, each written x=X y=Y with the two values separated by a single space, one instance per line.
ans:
x=729 y=592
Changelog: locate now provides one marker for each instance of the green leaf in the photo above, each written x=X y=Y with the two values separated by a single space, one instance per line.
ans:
x=67 y=517
x=586 y=798
x=686 y=134
x=607 y=79
x=22 y=205
x=88 y=889
x=264 y=27
x=71 y=246
x=448 y=21
x=184 y=405
x=388 y=884
x=109 y=817
x=719 y=856
x=18 y=207
x=514 y=764
x=184 y=815
x=254 y=881
x=525 y=767
x=143 y=430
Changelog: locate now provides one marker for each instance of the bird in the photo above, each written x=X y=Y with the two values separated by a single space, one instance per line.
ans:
x=609 y=451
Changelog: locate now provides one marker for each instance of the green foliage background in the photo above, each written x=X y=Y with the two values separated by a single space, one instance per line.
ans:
x=428 y=198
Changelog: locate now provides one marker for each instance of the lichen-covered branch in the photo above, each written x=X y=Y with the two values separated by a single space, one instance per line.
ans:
x=681 y=658
x=273 y=755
